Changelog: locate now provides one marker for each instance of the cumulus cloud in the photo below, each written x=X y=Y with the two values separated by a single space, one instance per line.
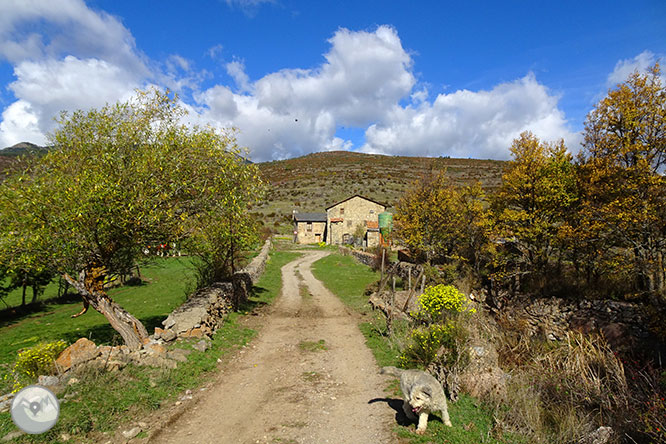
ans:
x=471 y=124
x=363 y=82
x=65 y=57
x=36 y=29
x=626 y=67
x=296 y=111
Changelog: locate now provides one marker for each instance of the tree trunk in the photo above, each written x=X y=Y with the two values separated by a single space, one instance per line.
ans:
x=130 y=328
x=35 y=293
x=24 y=286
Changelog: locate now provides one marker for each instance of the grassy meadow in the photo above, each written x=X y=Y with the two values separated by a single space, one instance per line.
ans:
x=166 y=285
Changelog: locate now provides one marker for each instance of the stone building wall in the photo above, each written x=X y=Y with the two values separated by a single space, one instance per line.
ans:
x=310 y=232
x=345 y=217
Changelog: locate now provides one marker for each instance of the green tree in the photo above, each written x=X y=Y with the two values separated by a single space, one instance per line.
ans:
x=622 y=166
x=532 y=206
x=121 y=178
x=441 y=222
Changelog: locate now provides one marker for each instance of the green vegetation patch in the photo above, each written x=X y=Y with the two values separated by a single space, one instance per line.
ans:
x=472 y=421
x=100 y=402
x=165 y=286
x=313 y=346
x=347 y=279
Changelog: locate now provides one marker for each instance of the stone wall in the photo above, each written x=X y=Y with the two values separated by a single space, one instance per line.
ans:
x=625 y=325
x=202 y=313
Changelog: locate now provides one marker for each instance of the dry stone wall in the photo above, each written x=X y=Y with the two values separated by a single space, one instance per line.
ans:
x=202 y=313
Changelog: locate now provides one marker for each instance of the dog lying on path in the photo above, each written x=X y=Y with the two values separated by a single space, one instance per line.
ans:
x=422 y=394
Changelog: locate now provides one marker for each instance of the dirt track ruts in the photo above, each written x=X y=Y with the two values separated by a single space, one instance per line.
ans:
x=283 y=389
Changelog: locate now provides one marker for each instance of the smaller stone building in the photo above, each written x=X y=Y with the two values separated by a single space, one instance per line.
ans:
x=309 y=228
x=353 y=218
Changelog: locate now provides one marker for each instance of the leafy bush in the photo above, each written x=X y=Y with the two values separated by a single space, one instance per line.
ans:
x=38 y=360
x=437 y=342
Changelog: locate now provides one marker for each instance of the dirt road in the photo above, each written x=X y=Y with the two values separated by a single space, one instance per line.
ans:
x=306 y=379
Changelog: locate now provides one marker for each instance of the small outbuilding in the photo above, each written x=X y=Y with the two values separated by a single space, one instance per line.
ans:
x=309 y=228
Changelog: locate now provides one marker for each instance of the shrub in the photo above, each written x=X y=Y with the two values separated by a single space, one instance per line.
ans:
x=442 y=301
x=437 y=342
x=562 y=391
x=38 y=360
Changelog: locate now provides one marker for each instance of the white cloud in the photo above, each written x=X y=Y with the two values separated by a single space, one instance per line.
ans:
x=236 y=70
x=45 y=88
x=626 y=67
x=20 y=123
x=71 y=58
x=66 y=56
x=296 y=111
x=66 y=27
x=471 y=124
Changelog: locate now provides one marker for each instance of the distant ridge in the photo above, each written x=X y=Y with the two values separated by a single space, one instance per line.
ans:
x=23 y=148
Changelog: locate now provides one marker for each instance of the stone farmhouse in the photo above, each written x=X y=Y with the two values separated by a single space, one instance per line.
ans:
x=355 y=218
x=356 y=214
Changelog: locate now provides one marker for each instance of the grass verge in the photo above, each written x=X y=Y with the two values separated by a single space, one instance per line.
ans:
x=100 y=402
x=166 y=285
x=472 y=421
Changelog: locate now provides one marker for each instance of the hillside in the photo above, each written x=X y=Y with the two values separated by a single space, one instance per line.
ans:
x=23 y=148
x=10 y=158
x=313 y=182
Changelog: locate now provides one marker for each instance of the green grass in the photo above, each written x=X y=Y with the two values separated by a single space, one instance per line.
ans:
x=168 y=282
x=101 y=402
x=313 y=346
x=347 y=279
x=270 y=283
x=472 y=421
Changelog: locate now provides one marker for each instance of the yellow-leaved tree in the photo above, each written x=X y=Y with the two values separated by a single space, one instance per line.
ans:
x=622 y=227
x=537 y=194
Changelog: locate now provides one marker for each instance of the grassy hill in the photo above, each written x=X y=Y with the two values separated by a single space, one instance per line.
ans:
x=24 y=148
x=313 y=182
x=10 y=158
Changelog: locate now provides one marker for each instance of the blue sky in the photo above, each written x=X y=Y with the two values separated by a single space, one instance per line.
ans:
x=410 y=78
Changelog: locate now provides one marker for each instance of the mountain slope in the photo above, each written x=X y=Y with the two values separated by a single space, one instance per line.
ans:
x=313 y=182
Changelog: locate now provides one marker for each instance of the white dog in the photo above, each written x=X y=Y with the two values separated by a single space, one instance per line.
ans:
x=422 y=394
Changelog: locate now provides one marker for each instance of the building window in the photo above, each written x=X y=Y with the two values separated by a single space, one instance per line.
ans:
x=309 y=226
x=342 y=211
x=372 y=211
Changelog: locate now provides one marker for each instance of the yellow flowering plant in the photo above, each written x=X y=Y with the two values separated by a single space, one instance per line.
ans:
x=435 y=342
x=442 y=301
x=35 y=361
